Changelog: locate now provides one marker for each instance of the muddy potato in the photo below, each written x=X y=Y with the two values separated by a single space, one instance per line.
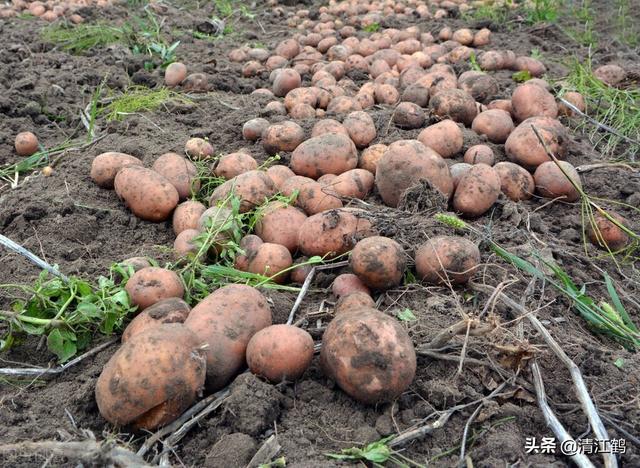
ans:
x=271 y=260
x=324 y=126
x=457 y=171
x=152 y=378
x=606 y=234
x=356 y=183
x=252 y=188
x=361 y=128
x=312 y=197
x=501 y=104
x=298 y=96
x=172 y=310
x=252 y=129
x=343 y=105
x=480 y=86
x=181 y=172
x=148 y=195
x=280 y=353
x=534 y=66
x=417 y=94
x=479 y=154
x=482 y=37
x=386 y=94
x=284 y=136
x=524 y=148
x=477 y=191
x=369 y=355
x=454 y=104
x=175 y=74
x=26 y=144
x=196 y=83
x=152 y=284
x=333 y=232
x=226 y=320
x=300 y=270
x=515 y=181
x=355 y=300
x=186 y=216
x=198 y=148
x=279 y=174
x=105 y=167
x=280 y=224
x=408 y=115
x=348 y=283
x=249 y=245
x=234 y=164
x=286 y=79
x=445 y=138
x=184 y=243
x=496 y=124
x=288 y=49
x=573 y=98
x=370 y=156
x=136 y=263
x=447 y=259
x=551 y=181
x=379 y=262
x=331 y=153
x=531 y=100
x=610 y=74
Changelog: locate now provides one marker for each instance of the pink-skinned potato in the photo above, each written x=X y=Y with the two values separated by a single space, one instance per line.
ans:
x=252 y=188
x=354 y=300
x=524 y=148
x=445 y=259
x=180 y=172
x=331 y=153
x=356 y=183
x=312 y=196
x=552 y=180
x=515 y=181
x=280 y=224
x=153 y=284
x=149 y=195
x=171 y=310
x=379 y=262
x=106 y=166
x=186 y=216
x=348 y=283
x=272 y=261
x=477 y=190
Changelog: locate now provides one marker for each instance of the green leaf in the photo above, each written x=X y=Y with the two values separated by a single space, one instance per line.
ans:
x=406 y=315
x=121 y=298
x=84 y=288
x=88 y=310
x=61 y=347
x=617 y=303
x=619 y=363
x=521 y=76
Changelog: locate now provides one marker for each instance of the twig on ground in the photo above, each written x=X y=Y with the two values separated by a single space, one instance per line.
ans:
x=266 y=452
x=33 y=258
x=591 y=167
x=476 y=328
x=463 y=444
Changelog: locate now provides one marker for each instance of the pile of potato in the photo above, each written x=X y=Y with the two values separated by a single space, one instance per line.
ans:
x=51 y=10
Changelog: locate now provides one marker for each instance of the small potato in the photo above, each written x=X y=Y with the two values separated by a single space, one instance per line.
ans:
x=480 y=86
x=530 y=100
x=284 y=136
x=26 y=144
x=175 y=74
x=279 y=174
x=496 y=124
x=355 y=300
x=445 y=138
x=479 y=154
x=457 y=171
x=280 y=224
x=361 y=128
x=356 y=183
x=379 y=262
x=332 y=232
x=574 y=98
x=184 y=243
x=252 y=188
x=136 y=263
x=370 y=156
x=172 y=310
x=180 y=172
x=524 y=148
x=464 y=36
x=454 y=104
x=105 y=166
x=610 y=74
x=153 y=284
x=299 y=96
x=447 y=259
x=408 y=115
x=249 y=245
x=417 y=94
x=491 y=60
x=253 y=129
x=343 y=105
x=386 y=94
x=280 y=353
x=515 y=181
x=198 y=148
x=331 y=153
x=312 y=196
x=553 y=181
x=286 y=80
x=534 y=66
x=270 y=260
x=300 y=271
x=226 y=320
x=186 y=216
x=288 y=49
x=482 y=38
x=606 y=234
x=146 y=193
x=234 y=164
x=153 y=378
x=328 y=126
x=196 y=83
x=502 y=104
x=348 y=283
x=477 y=191
x=369 y=355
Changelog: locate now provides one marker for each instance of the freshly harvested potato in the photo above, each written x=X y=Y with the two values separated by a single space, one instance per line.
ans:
x=386 y=94
x=417 y=94
x=280 y=224
x=279 y=174
x=496 y=124
x=574 y=98
x=271 y=260
x=408 y=115
x=218 y=222
x=196 y=83
x=249 y=245
x=26 y=144
x=146 y=193
x=610 y=74
x=234 y=164
x=447 y=259
x=153 y=284
x=181 y=172
x=502 y=104
x=175 y=74
x=327 y=179
x=312 y=196
x=300 y=270
x=184 y=243
x=361 y=128
x=479 y=85
x=328 y=126
x=531 y=100
x=464 y=36
x=524 y=148
x=137 y=263
x=252 y=129
x=354 y=300
x=482 y=37
x=331 y=153
x=252 y=188
x=280 y=353
x=172 y=310
x=226 y=320
x=106 y=166
x=405 y=163
x=457 y=171
x=477 y=191
x=301 y=96
x=288 y=49
x=198 y=148
x=552 y=180
x=286 y=80
x=356 y=183
x=455 y=104
x=379 y=262
x=479 y=154
x=606 y=234
x=348 y=283
x=369 y=355
x=333 y=232
x=284 y=136
x=445 y=138
x=370 y=156
x=152 y=378
x=534 y=66
x=515 y=181
x=186 y=216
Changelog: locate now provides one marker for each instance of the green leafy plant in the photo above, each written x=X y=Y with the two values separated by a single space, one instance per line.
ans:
x=473 y=61
x=521 y=76
x=377 y=453
x=83 y=37
x=371 y=28
x=406 y=315
x=139 y=99
x=539 y=11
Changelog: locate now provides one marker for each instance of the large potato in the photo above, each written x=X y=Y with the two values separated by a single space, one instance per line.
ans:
x=496 y=124
x=181 y=172
x=369 y=355
x=531 y=100
x=515 y=181
x=186 y=216
x=312 y=197
x=445 y=138
x=152 y=378
x=226 y=320
x=152 y=284
x=148 y=195
x=271 y=260
x=280 y=224
x=477 y=191
x=404 y=163
x=447 y=259
x=252 y=188
x=330 y=153
x=171 y=310
x=552 y=180
x=279 y=174
x=106 y=166
x=379 y=262
x=524 y=148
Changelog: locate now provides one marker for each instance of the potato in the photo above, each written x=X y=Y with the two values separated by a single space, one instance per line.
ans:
x=26 y=144
x=184 y=243
x=479 y=85
x=491 y=60
x=552 y=181
x=445 y=138
x=288 y=49
x=275 y=108
x=279 y=174
x=369 y=355
x=464 y=36
x=226 y=320
x=515 y=181
x=457 y=171
x=502 y=104
x=284 y=136
x=105 y=167
x=252 y=188
x=540 y=82
x=324 y=126
x=270 y=260
x=180 y=172
x=312 y=197
x=477 y=191
x=196 y=83
x=524 y=148
x=447 y=259
x=454 y=104
x=198 y=148
x=356 y=183
x=479 y=154
x=280 y=353
x=408 y=115
x=348 y=283
x=331 y=153
x=186 y=216
x=301 y=270
x=333 y=232
x=303 y=112
x=299 y=96
x=172 y=310
x=610 y=74
x=343 y=105
x=280 y=224
x=496 y=124
x=417 y=94
x=276 y=62
x=574 y=98
x=606 y=234
x=234 y=164
x=286 y=80
x=137 y=263
x=252 y=129
x=534 y=66
x=153 y=284
x=370 y=156
x=175 y=74
x=379 y=262
x=482 y=37
x=386 y=94
x=147 y=194
x=219 y=223
x=152 y=378
x=249 y=245
x=531 y=100
x=361 y=128
x=354 y=300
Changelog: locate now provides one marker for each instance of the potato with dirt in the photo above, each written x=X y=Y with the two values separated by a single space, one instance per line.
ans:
x=559 y=179
x=280 y=223
x=26 y=144
x=477 y=154
x=447 y=259
x=252 y=129
x=348 y=283
x=361 y=128
x=608 y=233
x=354 y=300
x=171 y=310
x=408 y=116
x=444 y=137
x=523 y=146
x=153 y=284
x=284 y=136
x=272 y=261
x=198 y=148
x=495 y=124
x=181 y=172
x=379 y=262
x=515 y=181
x=454 y=104
x=253 y=188
x=356 y=183
x=531 y=100
x=477 y=191
x=279 y=174
x=333 y=232
x=149 y=195
x=331 y=153
x=310 y=195
x=186 y=216
x=106 y=166
x=234 y=164
x=370 y=156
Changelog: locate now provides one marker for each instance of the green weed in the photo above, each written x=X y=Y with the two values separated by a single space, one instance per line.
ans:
x=11 y=173
x=83 y=37
x=371 y=28
x=377 y=453
x=139 y=99
x=541 y=11
x=497 y=12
